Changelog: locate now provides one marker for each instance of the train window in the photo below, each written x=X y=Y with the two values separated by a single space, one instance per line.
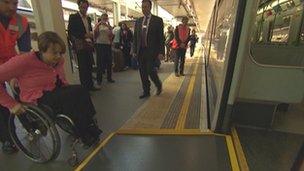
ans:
x=280 y=29
x=301 y=35
x=277 y=32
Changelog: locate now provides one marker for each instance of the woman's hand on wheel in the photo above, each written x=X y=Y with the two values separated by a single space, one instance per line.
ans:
x=17 y=109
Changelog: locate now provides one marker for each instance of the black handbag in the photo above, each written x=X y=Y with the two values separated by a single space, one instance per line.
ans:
x=80 y=44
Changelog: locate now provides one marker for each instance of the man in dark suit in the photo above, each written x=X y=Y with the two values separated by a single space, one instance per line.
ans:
x=148 y=47
x=80 y=33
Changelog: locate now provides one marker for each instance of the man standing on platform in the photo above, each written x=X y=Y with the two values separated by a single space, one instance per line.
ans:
x=14 y=29
x=148 y=47
x=81 y=34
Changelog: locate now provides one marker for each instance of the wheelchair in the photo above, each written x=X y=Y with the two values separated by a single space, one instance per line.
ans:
x=35 y=133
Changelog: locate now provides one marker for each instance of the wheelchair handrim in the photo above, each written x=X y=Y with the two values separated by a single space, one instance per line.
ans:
x=51 y=129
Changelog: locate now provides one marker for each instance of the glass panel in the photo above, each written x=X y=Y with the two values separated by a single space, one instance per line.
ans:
x=278 y=34
x=301 y=36
x=224 y=23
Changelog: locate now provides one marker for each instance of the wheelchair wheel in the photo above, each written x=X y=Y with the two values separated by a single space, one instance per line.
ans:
x=35 y=134
x=66 y=124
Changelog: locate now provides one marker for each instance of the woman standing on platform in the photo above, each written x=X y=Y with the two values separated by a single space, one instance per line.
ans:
x=126 y=38
x=168 y=39
x=104 y=36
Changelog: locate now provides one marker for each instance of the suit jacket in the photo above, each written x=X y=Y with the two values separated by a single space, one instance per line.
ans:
x=155 y=36
x=76 y=28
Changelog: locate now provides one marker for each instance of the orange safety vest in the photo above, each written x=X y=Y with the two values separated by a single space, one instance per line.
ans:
x=8 y=37
x=183 y=32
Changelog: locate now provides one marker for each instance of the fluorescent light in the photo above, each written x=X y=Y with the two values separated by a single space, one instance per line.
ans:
x=26 y=9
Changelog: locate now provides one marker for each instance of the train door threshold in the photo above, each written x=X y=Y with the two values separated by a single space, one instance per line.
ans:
x=162 y=152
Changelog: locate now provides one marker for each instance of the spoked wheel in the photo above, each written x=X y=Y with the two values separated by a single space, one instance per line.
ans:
x=35 y=135
x=66 y=124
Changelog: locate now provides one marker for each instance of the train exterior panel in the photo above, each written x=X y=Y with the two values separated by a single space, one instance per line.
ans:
x=267 y=66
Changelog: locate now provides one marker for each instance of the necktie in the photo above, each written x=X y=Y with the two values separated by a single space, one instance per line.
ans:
x=144 y=32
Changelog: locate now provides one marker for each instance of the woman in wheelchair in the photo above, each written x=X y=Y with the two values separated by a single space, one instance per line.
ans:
x=41 y=81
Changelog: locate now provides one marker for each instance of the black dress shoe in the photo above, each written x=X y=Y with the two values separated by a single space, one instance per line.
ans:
x=90 y=141
x=111 y=81
x=144 y=95
x=95 y=88
x=182 y=74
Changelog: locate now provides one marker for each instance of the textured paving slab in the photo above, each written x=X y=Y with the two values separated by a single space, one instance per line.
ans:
x=153 y=112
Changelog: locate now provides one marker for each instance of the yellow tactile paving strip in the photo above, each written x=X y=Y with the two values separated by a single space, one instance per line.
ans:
x=152 y=113
x=185 y=107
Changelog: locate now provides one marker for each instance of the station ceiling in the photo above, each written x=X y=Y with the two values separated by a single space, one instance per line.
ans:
x=202 y=8
x=108 y=5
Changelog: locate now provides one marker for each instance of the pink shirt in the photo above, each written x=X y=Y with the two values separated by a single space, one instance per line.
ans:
x=33 y=75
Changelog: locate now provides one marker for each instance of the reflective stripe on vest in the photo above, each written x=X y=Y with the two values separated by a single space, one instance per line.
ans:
x=8 y=37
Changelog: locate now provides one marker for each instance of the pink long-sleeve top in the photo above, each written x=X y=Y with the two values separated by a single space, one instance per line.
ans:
x=33 y=75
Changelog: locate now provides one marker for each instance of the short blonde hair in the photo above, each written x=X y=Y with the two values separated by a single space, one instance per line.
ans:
x=47 y=38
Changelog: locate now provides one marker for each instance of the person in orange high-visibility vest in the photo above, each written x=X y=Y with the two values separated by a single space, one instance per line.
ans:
x=14 y=30
x=181 y=36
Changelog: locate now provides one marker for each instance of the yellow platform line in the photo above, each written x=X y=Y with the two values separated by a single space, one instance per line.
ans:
x=145 y=131
x=239 y=151
x=185 y=132
x=94 y=152
x=185 y=107
x=232 y=154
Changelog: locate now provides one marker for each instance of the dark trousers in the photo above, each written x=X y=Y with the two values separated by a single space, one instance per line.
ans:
x=85 y=61
x=104 y=61
x=4 y=118
x=192 y=49
x=116 y=45
x=180 y=60
x=127 y=57
x=73 y=101
x=147 y=69
x=168 y=53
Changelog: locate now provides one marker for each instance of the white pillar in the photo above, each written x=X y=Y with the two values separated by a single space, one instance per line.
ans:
x=155 y=7
x=116 y=12
x=49 y=17
x=127 y=11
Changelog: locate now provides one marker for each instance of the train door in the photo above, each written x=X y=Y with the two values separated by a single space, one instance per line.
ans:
x=225 y=31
